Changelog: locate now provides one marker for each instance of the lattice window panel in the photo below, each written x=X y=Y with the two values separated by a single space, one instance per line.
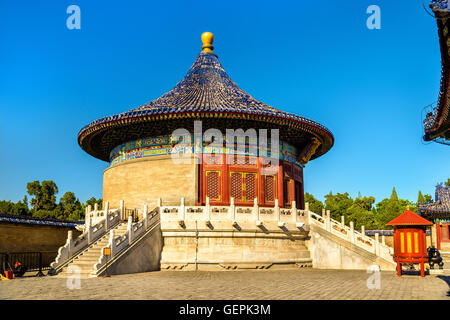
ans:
x=236 y=185
x=213 y=185
x=250 y=186
x=269 y=188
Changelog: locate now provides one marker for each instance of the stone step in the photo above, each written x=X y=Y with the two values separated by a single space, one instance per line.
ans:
x=85 y=273
x=94 y=250
x=83 y=263
x=90 y=254
x=82 y=269
x=87 y=258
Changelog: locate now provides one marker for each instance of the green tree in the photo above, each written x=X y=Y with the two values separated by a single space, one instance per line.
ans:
x=6 y=207
x=44 y=195
x=338 y=204
x=361 y=212
x=420 y=198
x=394 y=196
x=18 y=209
x=447 y=184
x=315 y=205
x=70 y=208
x=92 y=201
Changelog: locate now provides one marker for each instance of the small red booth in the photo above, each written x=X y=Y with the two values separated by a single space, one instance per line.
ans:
x=410 y=242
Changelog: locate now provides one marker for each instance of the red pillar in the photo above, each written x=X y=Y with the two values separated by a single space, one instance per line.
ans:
x=280 y=184
x=438 y=236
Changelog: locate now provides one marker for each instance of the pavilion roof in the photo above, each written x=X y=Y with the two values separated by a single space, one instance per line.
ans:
x=205 y=92
x=409 y=218
x=437 y=123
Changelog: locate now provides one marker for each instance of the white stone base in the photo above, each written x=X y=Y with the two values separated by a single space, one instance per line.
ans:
x=222 y=247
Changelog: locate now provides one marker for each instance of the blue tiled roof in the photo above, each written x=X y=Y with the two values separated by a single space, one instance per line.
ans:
x=206 y=88
x=439 y=5
x=39 y=221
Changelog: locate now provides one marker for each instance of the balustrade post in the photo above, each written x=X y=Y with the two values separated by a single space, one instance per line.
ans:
x=256 y=210
x=342 y=221
x=87 y=216
x=233 y=210
x=352 y=232
x=328 y=221
x=208 y=210
x=363 y=230
x=294 y=211
x=323 y=212
x=277 y=210
x=69 y=241
x=377 y=244
x=122 y=209
x=96 y=207
x=106 y=215
x=130 y=229
x=182 y=209
x=307 y=207
x=111 y=242
x=89 y=232
x=144 y=216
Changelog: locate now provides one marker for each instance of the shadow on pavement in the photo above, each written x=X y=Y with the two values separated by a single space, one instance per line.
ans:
x=447 y=280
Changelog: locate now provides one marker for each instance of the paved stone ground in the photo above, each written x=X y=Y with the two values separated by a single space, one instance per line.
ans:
x=265 y=284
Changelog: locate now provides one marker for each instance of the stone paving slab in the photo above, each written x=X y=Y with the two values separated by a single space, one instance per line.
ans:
x=305 y=284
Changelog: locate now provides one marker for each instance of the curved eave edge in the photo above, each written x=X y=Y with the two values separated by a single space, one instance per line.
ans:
x=307 y=125
x=443 y=105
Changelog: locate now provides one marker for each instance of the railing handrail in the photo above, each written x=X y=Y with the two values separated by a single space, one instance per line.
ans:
x=147 y=223
x=80 y=250
x=377 y=247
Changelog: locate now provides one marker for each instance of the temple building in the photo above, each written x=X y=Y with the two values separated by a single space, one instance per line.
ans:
x=438 y=211
x=437 y=121
x=140 y=146
x=208 y=178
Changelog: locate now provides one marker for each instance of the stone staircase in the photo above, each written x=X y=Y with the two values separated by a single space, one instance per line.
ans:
x=86 y=261
x=334 y=245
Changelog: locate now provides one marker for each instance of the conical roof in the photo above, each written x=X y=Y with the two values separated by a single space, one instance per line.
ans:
x=205 y=93
x=409 y=218
x=207 y=87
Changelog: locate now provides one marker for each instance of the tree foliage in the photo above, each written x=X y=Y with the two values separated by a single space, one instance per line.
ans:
x=363 y=210
x=44 y=205
x=314 y=204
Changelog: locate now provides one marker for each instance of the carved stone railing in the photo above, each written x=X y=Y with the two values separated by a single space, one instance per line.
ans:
x=233 y=213
x=134 y=232
x=348 y=233
x=73 y=247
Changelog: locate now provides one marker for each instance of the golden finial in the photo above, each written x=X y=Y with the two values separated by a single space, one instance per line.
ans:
x=407 y=207
x=207 y=39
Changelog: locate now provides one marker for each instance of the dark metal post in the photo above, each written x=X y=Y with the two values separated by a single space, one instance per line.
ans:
x=40 y=274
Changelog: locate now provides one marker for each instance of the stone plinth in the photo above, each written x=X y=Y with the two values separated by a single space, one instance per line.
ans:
x=220 y=245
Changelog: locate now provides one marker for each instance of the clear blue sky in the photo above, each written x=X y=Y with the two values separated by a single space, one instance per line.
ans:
x=313 y=58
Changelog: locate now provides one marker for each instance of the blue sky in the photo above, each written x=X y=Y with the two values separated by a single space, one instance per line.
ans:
x=315 y=59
